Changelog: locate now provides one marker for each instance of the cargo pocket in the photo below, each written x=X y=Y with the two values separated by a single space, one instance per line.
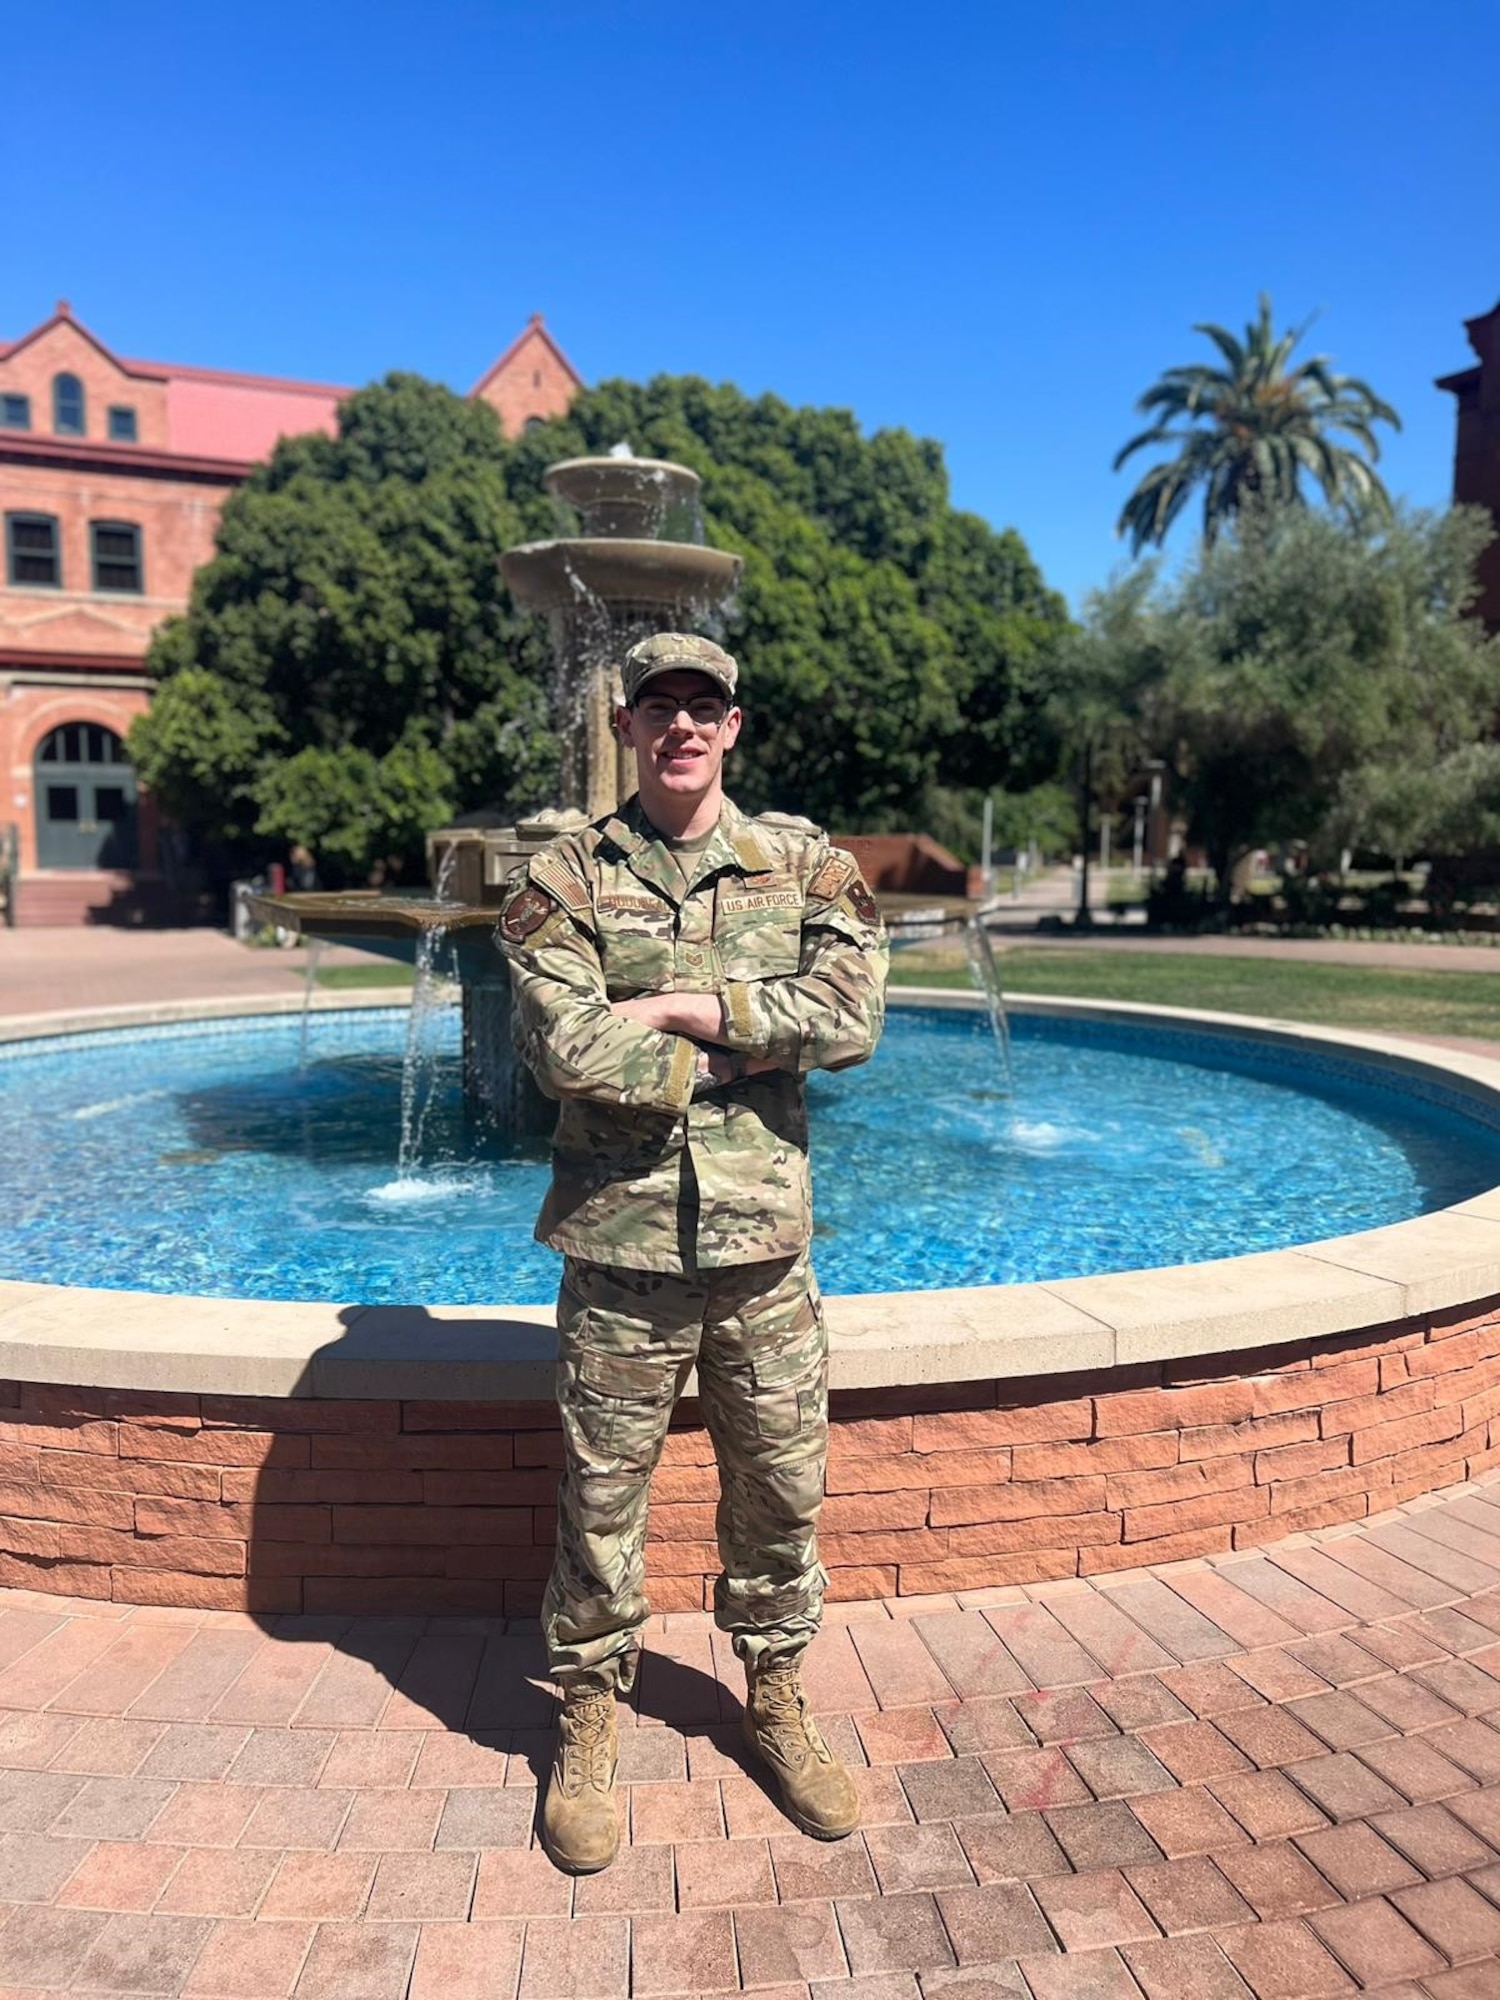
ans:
x=791 y=1392
x=618 y=1401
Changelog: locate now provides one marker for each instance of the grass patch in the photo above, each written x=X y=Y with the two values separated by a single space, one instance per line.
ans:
x=1345 y=996
x=346 y=978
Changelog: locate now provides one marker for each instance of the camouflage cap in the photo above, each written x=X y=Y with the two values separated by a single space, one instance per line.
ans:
x=677 y=652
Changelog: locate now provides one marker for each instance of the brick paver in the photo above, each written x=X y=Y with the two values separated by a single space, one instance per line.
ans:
x=1268 y=1777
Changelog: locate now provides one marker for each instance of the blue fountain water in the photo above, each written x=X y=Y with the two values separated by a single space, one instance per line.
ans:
x=198 y=1159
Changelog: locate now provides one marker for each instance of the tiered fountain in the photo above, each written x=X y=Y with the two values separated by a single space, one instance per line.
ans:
x=637 y=566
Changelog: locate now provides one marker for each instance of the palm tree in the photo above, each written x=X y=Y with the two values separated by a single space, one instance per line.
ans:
x=1247 y=431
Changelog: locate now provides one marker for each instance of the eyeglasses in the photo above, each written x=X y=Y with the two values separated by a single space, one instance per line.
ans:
x=660 y=711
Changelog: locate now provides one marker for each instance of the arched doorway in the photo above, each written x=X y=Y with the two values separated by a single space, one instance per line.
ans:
x=85 y=799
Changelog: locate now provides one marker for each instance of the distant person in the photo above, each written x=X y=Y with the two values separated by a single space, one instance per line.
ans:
x=678 y=968
x=302 y=870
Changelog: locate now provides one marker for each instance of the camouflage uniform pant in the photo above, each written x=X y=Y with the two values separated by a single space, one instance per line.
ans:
x=627 y=1340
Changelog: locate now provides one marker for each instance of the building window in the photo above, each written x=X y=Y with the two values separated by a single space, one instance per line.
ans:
x=117 y=555
x=67 y=406
x=81 y=743
x=33 y=551
x=15 y=413
x=122 y=428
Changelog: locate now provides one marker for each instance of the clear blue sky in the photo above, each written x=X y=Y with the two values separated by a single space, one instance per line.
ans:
x=991 y=223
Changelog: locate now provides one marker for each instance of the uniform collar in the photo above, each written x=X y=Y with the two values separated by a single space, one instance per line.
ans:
x=735 y=844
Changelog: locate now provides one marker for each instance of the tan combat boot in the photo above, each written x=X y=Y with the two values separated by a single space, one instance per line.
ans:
x=816 y=1790
x=579 y=1825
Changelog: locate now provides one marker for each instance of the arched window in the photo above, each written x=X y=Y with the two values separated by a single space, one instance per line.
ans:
x=82 y=743
x=67 y=406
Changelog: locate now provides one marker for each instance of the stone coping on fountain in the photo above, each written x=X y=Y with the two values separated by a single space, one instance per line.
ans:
x=1339 y=1286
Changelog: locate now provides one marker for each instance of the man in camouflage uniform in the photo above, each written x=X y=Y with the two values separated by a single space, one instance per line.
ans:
x=678 y=967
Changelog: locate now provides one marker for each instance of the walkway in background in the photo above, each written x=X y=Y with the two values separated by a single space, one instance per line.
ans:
x=45 y=970
x=1273 y=1775
x=42 y=971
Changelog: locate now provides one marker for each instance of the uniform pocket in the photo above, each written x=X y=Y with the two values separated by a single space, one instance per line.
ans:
x=618 y=1399
x=791 y=1392
x=635 y=961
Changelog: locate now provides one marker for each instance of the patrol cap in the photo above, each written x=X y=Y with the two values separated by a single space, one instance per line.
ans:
x=677 y=652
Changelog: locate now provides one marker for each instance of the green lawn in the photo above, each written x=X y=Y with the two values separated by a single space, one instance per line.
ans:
x=1424 y=1003
x=379 y=972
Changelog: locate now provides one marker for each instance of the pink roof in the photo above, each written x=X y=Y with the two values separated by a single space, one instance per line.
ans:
x=215 y=413
x=225 y=417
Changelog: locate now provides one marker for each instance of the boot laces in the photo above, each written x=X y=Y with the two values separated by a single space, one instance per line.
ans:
x=586 y=1739
x=781 y=1713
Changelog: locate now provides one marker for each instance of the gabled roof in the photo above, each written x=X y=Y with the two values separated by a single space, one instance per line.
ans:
x=226 y=415
x=534 y=329
x=63 y=316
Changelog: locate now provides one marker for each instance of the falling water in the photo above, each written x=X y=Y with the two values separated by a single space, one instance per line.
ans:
x=443 y=881
x=986 y=970
x=314 y=960
x=432 y=1000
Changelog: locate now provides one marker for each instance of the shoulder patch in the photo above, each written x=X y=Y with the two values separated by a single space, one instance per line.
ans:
x=551 y=872
x=525 y=911
x=832 y=876
x=862 y=901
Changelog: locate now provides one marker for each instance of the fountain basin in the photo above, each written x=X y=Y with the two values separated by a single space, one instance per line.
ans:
x=623 y=496
x=291 y=1456
x=676 y=577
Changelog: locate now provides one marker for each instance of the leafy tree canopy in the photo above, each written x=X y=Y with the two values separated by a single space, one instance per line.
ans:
x=1309 y=679
x=887 y=639
x=351 y=669
x=1248 y=431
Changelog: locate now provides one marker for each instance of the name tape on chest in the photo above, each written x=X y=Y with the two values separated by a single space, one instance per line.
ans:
x=614 y=902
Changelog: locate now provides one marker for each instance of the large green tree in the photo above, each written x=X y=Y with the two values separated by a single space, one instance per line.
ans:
x=1310 y=679
x=351 y=670
x=890 y=642
x=1252 y=429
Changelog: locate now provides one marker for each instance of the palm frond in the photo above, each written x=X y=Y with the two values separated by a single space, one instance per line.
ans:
x=1252 y=429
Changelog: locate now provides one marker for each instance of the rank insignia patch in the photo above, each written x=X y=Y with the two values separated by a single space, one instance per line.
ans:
x=526 y=912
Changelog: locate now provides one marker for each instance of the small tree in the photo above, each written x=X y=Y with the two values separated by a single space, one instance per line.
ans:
x=1312 y=676
x=1104 y=699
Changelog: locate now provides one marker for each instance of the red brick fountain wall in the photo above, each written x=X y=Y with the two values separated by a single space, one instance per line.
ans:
x=297 y=1504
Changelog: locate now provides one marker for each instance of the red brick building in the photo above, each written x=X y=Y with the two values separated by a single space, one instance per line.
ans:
x=1476 y=462
x=112 y=474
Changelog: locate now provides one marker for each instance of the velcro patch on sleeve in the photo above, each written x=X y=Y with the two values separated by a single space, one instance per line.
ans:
x=832 y=876
x=524 y=914
x=861 y=901
x=559 y=880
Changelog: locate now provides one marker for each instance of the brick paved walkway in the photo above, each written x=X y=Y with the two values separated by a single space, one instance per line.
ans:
x=1274 y=1775
x=42 y=970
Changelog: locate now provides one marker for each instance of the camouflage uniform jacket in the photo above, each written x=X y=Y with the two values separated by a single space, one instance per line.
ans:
x=652 y=1169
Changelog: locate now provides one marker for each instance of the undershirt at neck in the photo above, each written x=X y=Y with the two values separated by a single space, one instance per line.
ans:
x=684 y=852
